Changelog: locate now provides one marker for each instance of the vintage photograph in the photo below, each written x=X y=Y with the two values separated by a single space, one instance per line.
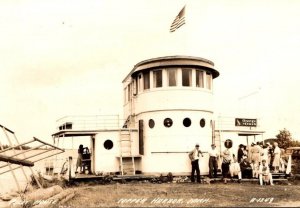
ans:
x=149 y=103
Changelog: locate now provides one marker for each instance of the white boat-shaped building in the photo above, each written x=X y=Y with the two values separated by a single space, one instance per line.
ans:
x=168 y=108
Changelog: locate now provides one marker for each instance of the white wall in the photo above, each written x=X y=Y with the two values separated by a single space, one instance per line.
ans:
x=108 y=160
x=176 y=138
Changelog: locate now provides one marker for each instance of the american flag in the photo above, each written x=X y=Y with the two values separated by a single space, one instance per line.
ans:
x=178 y=21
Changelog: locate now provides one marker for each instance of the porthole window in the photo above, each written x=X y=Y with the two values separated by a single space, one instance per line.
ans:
x=168 y=122
x=151 y=123
x=108 y=144
x=187 y=122
x=202 y=122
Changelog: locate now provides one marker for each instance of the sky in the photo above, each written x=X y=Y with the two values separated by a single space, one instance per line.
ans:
x=61 y=57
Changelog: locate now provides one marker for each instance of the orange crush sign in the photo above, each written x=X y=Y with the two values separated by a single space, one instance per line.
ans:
x=245 y=122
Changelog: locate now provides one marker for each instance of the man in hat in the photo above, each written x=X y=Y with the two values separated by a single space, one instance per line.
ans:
x=194 y=157
x=213 y=161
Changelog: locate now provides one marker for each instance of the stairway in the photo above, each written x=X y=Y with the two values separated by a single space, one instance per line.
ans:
x=127 y=165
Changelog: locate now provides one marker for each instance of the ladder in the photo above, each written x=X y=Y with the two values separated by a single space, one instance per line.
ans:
x=127 y=165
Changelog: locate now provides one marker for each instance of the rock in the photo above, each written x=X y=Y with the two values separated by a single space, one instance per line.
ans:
x=6 y=197
x=42 y=194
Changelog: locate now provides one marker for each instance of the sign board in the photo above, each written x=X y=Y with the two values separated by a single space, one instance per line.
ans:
x=245 y=122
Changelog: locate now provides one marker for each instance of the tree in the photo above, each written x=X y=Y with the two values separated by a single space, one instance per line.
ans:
x=284 y=138
x=295 y=143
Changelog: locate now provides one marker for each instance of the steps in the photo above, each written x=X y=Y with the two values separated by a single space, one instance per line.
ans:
x=127 y=166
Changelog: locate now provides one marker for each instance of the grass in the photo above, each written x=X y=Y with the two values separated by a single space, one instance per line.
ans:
x=139 y=194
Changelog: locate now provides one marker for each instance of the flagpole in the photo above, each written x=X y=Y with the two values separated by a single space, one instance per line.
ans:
x=179 y=33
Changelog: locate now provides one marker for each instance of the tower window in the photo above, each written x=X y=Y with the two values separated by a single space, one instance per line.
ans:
x=172 y=77
x=146 y=77
x=187 y=77
x=151 y=123
x=157 y=78
x=168 y=122
x=199 y=79
x=208 y=80
x=202 y=122
x=187 y=122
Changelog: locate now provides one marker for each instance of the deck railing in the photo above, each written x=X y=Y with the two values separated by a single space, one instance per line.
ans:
x=94 y=122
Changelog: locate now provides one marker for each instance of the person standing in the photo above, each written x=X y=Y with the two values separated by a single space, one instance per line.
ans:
x=255 y=152
x=194 y=157
x=79 y=159
x=227 y=157
x=265 y=154
x=276 y=161
x=240 y=152
x=213 y=161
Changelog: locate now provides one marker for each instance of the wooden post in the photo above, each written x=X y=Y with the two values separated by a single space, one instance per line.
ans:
x=33 y=175
x=141 y=137
x=70 y=167
x=16 y=161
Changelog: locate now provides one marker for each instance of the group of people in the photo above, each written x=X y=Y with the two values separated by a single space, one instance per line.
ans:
x=255 y=161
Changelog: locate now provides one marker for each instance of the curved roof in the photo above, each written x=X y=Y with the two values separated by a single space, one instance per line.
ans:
x=169 y=61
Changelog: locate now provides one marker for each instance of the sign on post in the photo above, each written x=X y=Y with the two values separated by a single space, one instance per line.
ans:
x=245 y=122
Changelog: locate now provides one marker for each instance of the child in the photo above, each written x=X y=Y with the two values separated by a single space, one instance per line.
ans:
x=255 y=169
x=264 y=174
x=235 y=169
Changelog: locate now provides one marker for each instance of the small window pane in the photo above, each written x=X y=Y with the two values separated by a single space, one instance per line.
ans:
x=187 y=122
x=202 y=122
x=172 y=77
x=199 y=79
x=129 y=92
x=151 y=123
x=139 y=82
x=186 y=77
x=168 y=122
x=157 y=78
x=146 y=80
x=208 y=80
x=137 y=86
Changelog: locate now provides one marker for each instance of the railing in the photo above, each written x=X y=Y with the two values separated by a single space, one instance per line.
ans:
x=94 y=122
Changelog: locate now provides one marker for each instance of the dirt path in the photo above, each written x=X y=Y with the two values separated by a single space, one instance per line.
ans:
x=185 y=195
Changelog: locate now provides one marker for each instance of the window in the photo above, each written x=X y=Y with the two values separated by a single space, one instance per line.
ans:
x=129 y=92
x=151 y=123
x=172 y=77
x=202 y=122
x=125 y=94
x=168 y=122
x=134 y=87
x=187 y=77
x=208 y=80
x=146 y=76
x=139 y=83
x=157 y=78
x=199 y=79
x=187 y=122
x=108 y=144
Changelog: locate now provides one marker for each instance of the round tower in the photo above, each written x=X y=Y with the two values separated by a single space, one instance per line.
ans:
x=170 y=100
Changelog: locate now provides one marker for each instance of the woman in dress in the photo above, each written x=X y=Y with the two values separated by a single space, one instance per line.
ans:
x=276 y=161
x=79 y=159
